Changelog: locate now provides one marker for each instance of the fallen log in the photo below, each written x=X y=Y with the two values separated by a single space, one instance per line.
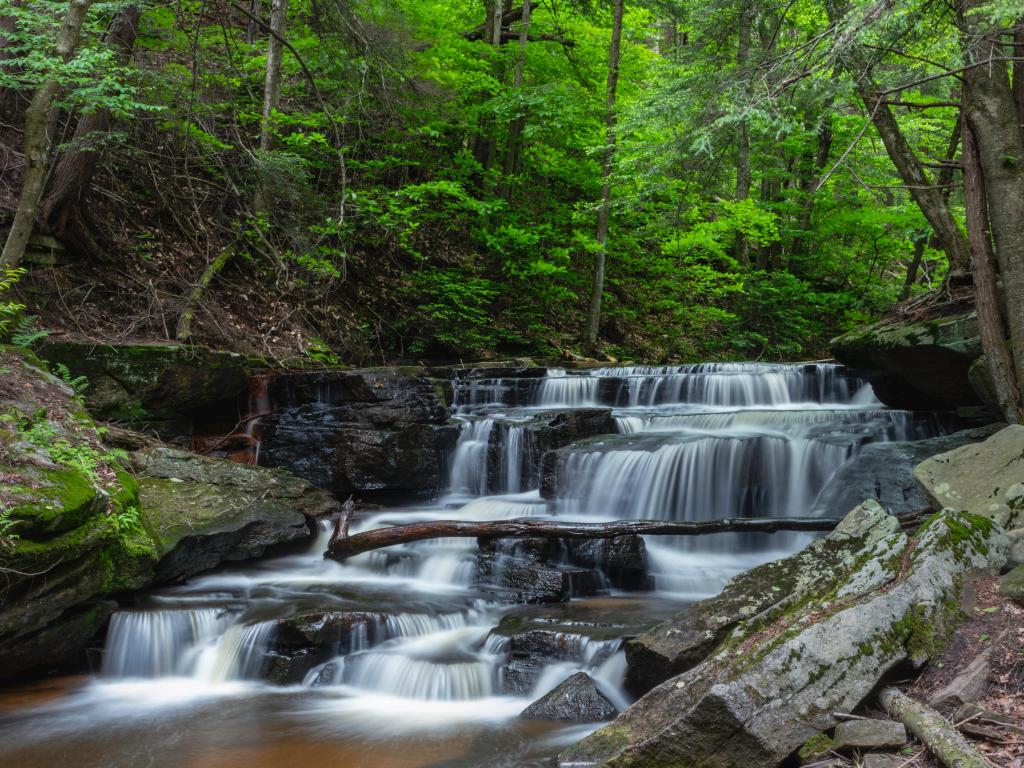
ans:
x=933 y=730
x=525 y=527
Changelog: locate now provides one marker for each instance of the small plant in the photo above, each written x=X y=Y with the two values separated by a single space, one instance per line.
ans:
x=10 y=311
x=27 y=332
x=126 y=521
x=8 y=537
x=319 y=352
x=77 y=383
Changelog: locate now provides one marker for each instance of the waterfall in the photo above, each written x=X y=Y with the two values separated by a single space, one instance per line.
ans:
x=469 y=462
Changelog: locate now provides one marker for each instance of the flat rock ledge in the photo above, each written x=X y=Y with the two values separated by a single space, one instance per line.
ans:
x=776 y=678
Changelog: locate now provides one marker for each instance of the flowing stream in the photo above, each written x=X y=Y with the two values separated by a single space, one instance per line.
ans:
x=418 y=671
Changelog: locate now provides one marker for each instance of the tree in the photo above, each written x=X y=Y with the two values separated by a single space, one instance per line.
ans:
x=604 y=210
x=36 y=139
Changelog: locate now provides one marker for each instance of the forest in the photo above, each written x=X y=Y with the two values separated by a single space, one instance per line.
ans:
x=371 y=181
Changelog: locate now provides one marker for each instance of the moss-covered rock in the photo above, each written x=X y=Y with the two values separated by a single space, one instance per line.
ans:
x=985 y=478
x=1012 y=585
x=775 y=680
x=148 y=382
x=916 y=365
x=202 y=511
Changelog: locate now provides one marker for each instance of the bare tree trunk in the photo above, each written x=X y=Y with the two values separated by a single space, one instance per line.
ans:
x=808 y=181
x=928 y=198
x=7 y=28
x=1018 y=74
x=915 y=264
x=741 y=249
x=991 y=323
x=184 y=328
x=991 y=115
x=515 y=131
x=342 y=547
x=604 y=211
x=73 y=170
x=36 y=140
x=252 y=28
x=272 y=87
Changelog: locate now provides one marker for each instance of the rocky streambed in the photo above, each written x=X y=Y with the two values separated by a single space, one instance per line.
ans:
x=247 y=646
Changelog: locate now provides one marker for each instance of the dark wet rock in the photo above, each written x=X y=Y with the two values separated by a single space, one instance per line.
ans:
x=870 y=734
x=517 y=580
x=885 y=472
x=622 y=560
x=775 y=681
x=577 y=700
x=542 y=432
x=368 y=433
x=202 y=511
x=921 y=364
x=152 y=382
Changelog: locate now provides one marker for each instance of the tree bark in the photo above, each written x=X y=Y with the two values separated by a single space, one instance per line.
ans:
x=515 y=131
x=74 y=169
x=933 y=730
x=526 y=527
x=36 y=139
x=808 y=181
x=991 y=116
x=184 y=328
x=272 y=86
x=1018 y=75
x=913 y=267
x=929 y=199
x=991 y=320
x=741 y=249
x=604 y=211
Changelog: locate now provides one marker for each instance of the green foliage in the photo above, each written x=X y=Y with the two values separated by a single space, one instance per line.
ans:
x=27 y=332
x=78 y=384
x=81 y=455
x=10 y=311
x=126 y=521
x=318 y=351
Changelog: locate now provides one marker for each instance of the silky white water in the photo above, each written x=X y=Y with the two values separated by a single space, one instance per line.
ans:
x=421 y=657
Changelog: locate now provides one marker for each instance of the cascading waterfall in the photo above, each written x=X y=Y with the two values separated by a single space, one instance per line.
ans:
x=423 y=644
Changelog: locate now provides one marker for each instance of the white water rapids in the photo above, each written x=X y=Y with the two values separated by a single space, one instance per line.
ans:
x=423 y=669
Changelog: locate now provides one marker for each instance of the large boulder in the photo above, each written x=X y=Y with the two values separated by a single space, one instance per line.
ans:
x=985 y=478
x=576 y=700
x=778 y=677
x=152 y=382
x=202 y=511
x=683 y=641
x=371 y=433
x=885 y=472
x=920 y=364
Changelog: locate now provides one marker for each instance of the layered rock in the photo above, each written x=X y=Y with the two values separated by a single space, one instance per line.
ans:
x=368 y=433
x=156 y=384
x=201 y=512
x=576 y=700
x=776 y=679
x=916 y=365
x=885 y=472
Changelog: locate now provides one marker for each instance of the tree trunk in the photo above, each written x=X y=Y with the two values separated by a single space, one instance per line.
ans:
x=272 y=87
x=36 y=140
x=74 y=169
x=184 y=328
x=991 y=115
x=515 y=131
x=928 y=198
x=7 y=28
x=913 y=267
x=1018 y=75
x=741 y=248
x=808 y=181
x=525 y=527
x=934 y=731
x=604 y=211
x=991 y=323
x=252 y=28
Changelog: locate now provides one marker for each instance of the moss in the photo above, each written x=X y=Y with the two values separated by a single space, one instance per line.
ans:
x=64 y=500
x=601 y=745
x=820 y=744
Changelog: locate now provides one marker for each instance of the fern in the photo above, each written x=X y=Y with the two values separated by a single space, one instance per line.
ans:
x=77 y=383
x=9 y=310
x=27 y=332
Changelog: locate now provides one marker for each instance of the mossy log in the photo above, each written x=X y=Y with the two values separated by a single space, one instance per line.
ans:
x=933 y=730
x=348 y=546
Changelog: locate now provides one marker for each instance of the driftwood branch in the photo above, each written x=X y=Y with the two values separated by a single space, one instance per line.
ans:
x=342 y=547
x=344 y=521
x=933 y=730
